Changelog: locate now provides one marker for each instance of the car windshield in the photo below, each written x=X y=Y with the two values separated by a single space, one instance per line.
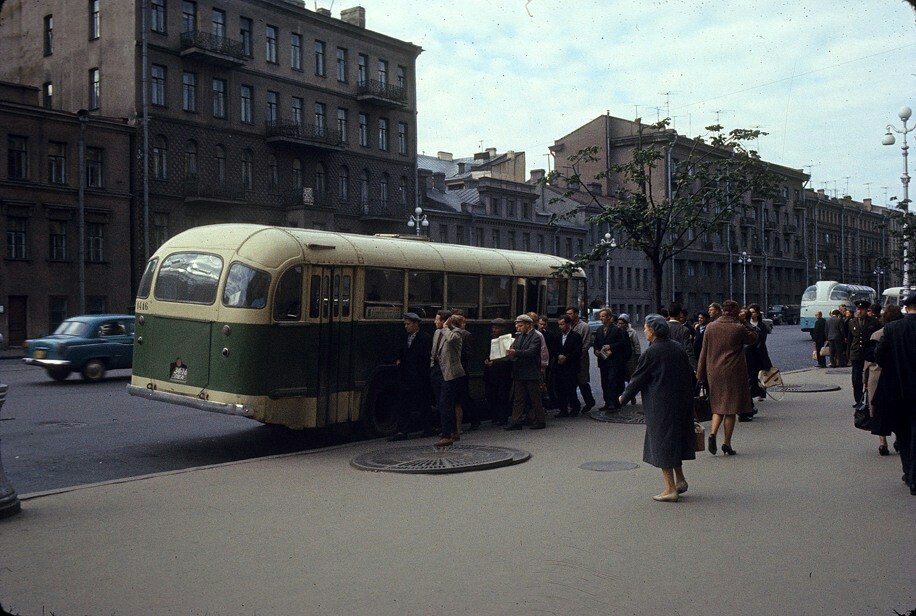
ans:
x=72 y=328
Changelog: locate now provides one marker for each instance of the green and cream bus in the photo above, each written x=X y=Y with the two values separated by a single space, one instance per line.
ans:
x=301 y=328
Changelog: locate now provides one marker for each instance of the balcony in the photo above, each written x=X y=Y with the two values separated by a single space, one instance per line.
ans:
x=197 y=191
x=290 y=132
x=216 y=50
x=779 y=201
x=306 y=197
x=748 y=221
x=382 y=94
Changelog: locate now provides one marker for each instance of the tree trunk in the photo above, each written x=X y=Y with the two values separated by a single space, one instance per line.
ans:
x=658 y=271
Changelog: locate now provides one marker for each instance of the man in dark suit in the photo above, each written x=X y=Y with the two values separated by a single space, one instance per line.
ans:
x=525 y=354
x=565 y=364
x=612 y=347
x=819 y=335
x=413 y=376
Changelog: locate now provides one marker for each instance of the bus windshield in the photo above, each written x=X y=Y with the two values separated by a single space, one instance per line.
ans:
x=189 y=278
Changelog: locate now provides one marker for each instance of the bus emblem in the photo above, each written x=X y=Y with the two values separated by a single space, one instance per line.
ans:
x=178 y=371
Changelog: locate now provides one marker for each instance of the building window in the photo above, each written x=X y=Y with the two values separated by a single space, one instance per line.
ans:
x=363 y=66
x=402 y=191
x=526 y=210
x=220 y=164
x=341 y=65
x=157 y=87
x=526 y=242
x=402 y=76
x=49 y=35
x=443 y=234
x=540 y=244
x=157 y=16
x=247 y=167
x=189 y=92
x=297 y=111
x=190 y=159
x=94 y=89
x=160 y=158
x=511 y=235
x=364 y=130
x=383 y=72
x=57 y=240
x=383 y=190
x=273 y=107
x=17 y=151
x=245 y=35
x=16 y=236
x=295 y=51
x=298 y=182
x=273 y=172
x=57 y=162
x=343 y=184
x=93 y=19
x=342 y=124
x=95 y=166
x=383 y=134
x=319 y=58
x=188 y=16
x=321 y=183
x=495 y=235
x=510 y=208
x=364 y=187
x=478 y=237
x=402 y=138
x=47 y=95
x=57 y=310
x=219 y=25
x=160 y=229
x=219 y=98
x=321 y=119
x=95 y=236
x=459 y=234
x=270 y=44
x=245 y=114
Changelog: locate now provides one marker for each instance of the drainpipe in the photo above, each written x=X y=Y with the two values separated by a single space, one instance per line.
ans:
x=83 y=117
x=144 y=87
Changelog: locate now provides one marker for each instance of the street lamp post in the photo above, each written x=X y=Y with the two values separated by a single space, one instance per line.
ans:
x=418 y=220
x=610 y=244
x=820 y=266
x=877 y=274
x=743 y=260
x=904 y=115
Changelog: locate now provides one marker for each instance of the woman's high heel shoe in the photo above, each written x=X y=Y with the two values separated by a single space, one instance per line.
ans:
x=712 y=444
x=727 y=449
x=883 y=451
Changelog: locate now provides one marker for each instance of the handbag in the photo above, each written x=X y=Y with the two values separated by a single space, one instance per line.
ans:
x=700 y=434
x=702 y=410
x=825 y=350
x=769 y=378
x=814 y=355
x=862 y=417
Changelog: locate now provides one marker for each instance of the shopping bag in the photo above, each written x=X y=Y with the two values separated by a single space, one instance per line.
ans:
x=825 y=350
x=700 y=434
x=862 y=416
x=702 y=411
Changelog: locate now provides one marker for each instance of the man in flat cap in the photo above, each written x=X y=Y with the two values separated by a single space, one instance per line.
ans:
x=896 y=392
x=861 y=327
x=525 y=354
x=413 y=373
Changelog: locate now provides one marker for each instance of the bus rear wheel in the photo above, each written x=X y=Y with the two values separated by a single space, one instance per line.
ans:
x=380 y=415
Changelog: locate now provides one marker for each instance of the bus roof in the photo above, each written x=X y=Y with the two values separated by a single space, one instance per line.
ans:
x=272 y=247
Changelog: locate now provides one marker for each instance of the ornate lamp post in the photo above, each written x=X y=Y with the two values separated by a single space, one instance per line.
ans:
x=743 y=260
x=820 y=266
x=877 y=273
x=418 y=220
x=9 y=502
x=610 y=244
x=904 y=114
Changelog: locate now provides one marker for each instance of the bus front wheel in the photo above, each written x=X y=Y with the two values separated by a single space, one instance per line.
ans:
x=380 y=415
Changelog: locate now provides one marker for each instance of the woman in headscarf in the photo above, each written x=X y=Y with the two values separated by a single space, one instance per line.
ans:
x=665 y=379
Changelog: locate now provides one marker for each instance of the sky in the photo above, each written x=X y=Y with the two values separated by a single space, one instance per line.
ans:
x=822 y=78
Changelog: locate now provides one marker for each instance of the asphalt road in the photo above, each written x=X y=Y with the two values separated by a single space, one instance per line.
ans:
x=57 y=435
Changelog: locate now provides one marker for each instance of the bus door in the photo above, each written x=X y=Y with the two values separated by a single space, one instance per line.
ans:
x=330 y=308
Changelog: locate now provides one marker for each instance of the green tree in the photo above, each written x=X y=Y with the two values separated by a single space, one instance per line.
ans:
x=715 y=177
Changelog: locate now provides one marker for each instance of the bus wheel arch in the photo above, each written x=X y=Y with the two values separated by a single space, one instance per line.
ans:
x=379 y=412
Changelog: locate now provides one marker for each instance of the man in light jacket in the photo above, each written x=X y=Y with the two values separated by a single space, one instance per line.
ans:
x=445 y=373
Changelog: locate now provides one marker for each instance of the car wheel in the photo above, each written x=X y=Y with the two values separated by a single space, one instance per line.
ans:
x=58 y=374
x=94 y=370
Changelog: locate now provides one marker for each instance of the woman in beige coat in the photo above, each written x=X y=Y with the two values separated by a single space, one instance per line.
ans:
x=723 y=368
x=872 y=371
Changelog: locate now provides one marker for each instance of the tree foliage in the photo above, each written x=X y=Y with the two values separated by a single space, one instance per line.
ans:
x=715 y=176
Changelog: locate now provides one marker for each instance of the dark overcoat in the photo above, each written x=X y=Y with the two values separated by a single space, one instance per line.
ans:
x=895 y=397
x=665 y=379
x=723 y=367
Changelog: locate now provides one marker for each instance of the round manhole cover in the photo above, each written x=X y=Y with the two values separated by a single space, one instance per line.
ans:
x=625 y=415
x=434 y=460
x=807 y=388
x=609 y=466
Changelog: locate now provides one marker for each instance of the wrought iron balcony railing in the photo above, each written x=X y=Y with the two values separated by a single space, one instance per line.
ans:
x=305 y=133
x=385 y=92
x=211 y=43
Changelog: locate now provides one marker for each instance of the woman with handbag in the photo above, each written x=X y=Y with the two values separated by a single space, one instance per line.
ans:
x=872 y=371
x=757 y=356
x=665 y=379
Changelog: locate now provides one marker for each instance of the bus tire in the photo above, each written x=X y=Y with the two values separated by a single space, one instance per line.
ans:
x=94 y=370
x=58 y=373
x=380 y=413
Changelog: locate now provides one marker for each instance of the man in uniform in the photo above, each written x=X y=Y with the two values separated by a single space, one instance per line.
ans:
x=861 y=327
x=413 y=373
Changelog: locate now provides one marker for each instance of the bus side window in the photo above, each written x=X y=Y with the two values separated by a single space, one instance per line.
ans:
x=556 y=297
x=315 y=297
x=464 y=294
x=345 y=297
x=288 y=298
x=497 y=295
x=336 y=295
x=326 y=298
x=425 y=291
x=384 y=294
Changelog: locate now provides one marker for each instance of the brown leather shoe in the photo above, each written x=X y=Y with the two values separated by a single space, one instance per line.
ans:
x=444 y=442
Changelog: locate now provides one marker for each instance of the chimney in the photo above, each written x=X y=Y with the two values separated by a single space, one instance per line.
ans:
x=866 y=203
x=325 y=12
x=536 y=176
x=444 y=155
x=439 y=181
x=355 y=16
x=482 y=156
x=491 y=152
x=594 y=187
x=820 y=191
x=461 y=167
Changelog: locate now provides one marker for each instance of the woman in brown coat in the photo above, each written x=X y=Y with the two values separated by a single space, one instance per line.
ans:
x=723 y=368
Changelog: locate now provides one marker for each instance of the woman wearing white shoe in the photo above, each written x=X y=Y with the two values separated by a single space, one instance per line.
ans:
x=665 y=379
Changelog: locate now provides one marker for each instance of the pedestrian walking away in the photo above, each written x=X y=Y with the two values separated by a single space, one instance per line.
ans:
x=681 y=332
x=723 y=369
x=665 y=380
x=819 y=336
x=861 y=327
x=872 y=374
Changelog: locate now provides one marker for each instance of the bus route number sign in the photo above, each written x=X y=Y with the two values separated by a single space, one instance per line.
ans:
x=141 y=305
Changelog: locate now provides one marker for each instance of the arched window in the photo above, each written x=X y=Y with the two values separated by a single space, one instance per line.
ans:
x=402 y=190
x=160 y=158
x=190 y=159
x=220 y=164
x=343 y=184
x=383 y=190
x=364 y=187
x=273 y=170
x=297 y=174
x=321 y=186
x=247 y=166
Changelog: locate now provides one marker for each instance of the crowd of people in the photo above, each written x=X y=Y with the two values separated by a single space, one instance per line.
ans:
x=720 y=351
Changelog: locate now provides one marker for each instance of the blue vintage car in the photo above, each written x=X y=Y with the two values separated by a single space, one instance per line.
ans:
x=89 y=344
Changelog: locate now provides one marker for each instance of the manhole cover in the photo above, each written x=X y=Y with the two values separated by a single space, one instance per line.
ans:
x=433 y=460
x=807 y=388
x=628 y=416
x=610 y=466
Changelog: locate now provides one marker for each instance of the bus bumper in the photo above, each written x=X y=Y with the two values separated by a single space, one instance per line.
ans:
x=201 y=405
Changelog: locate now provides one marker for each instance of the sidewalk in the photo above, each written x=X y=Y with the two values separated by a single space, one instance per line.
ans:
x=806 y=519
